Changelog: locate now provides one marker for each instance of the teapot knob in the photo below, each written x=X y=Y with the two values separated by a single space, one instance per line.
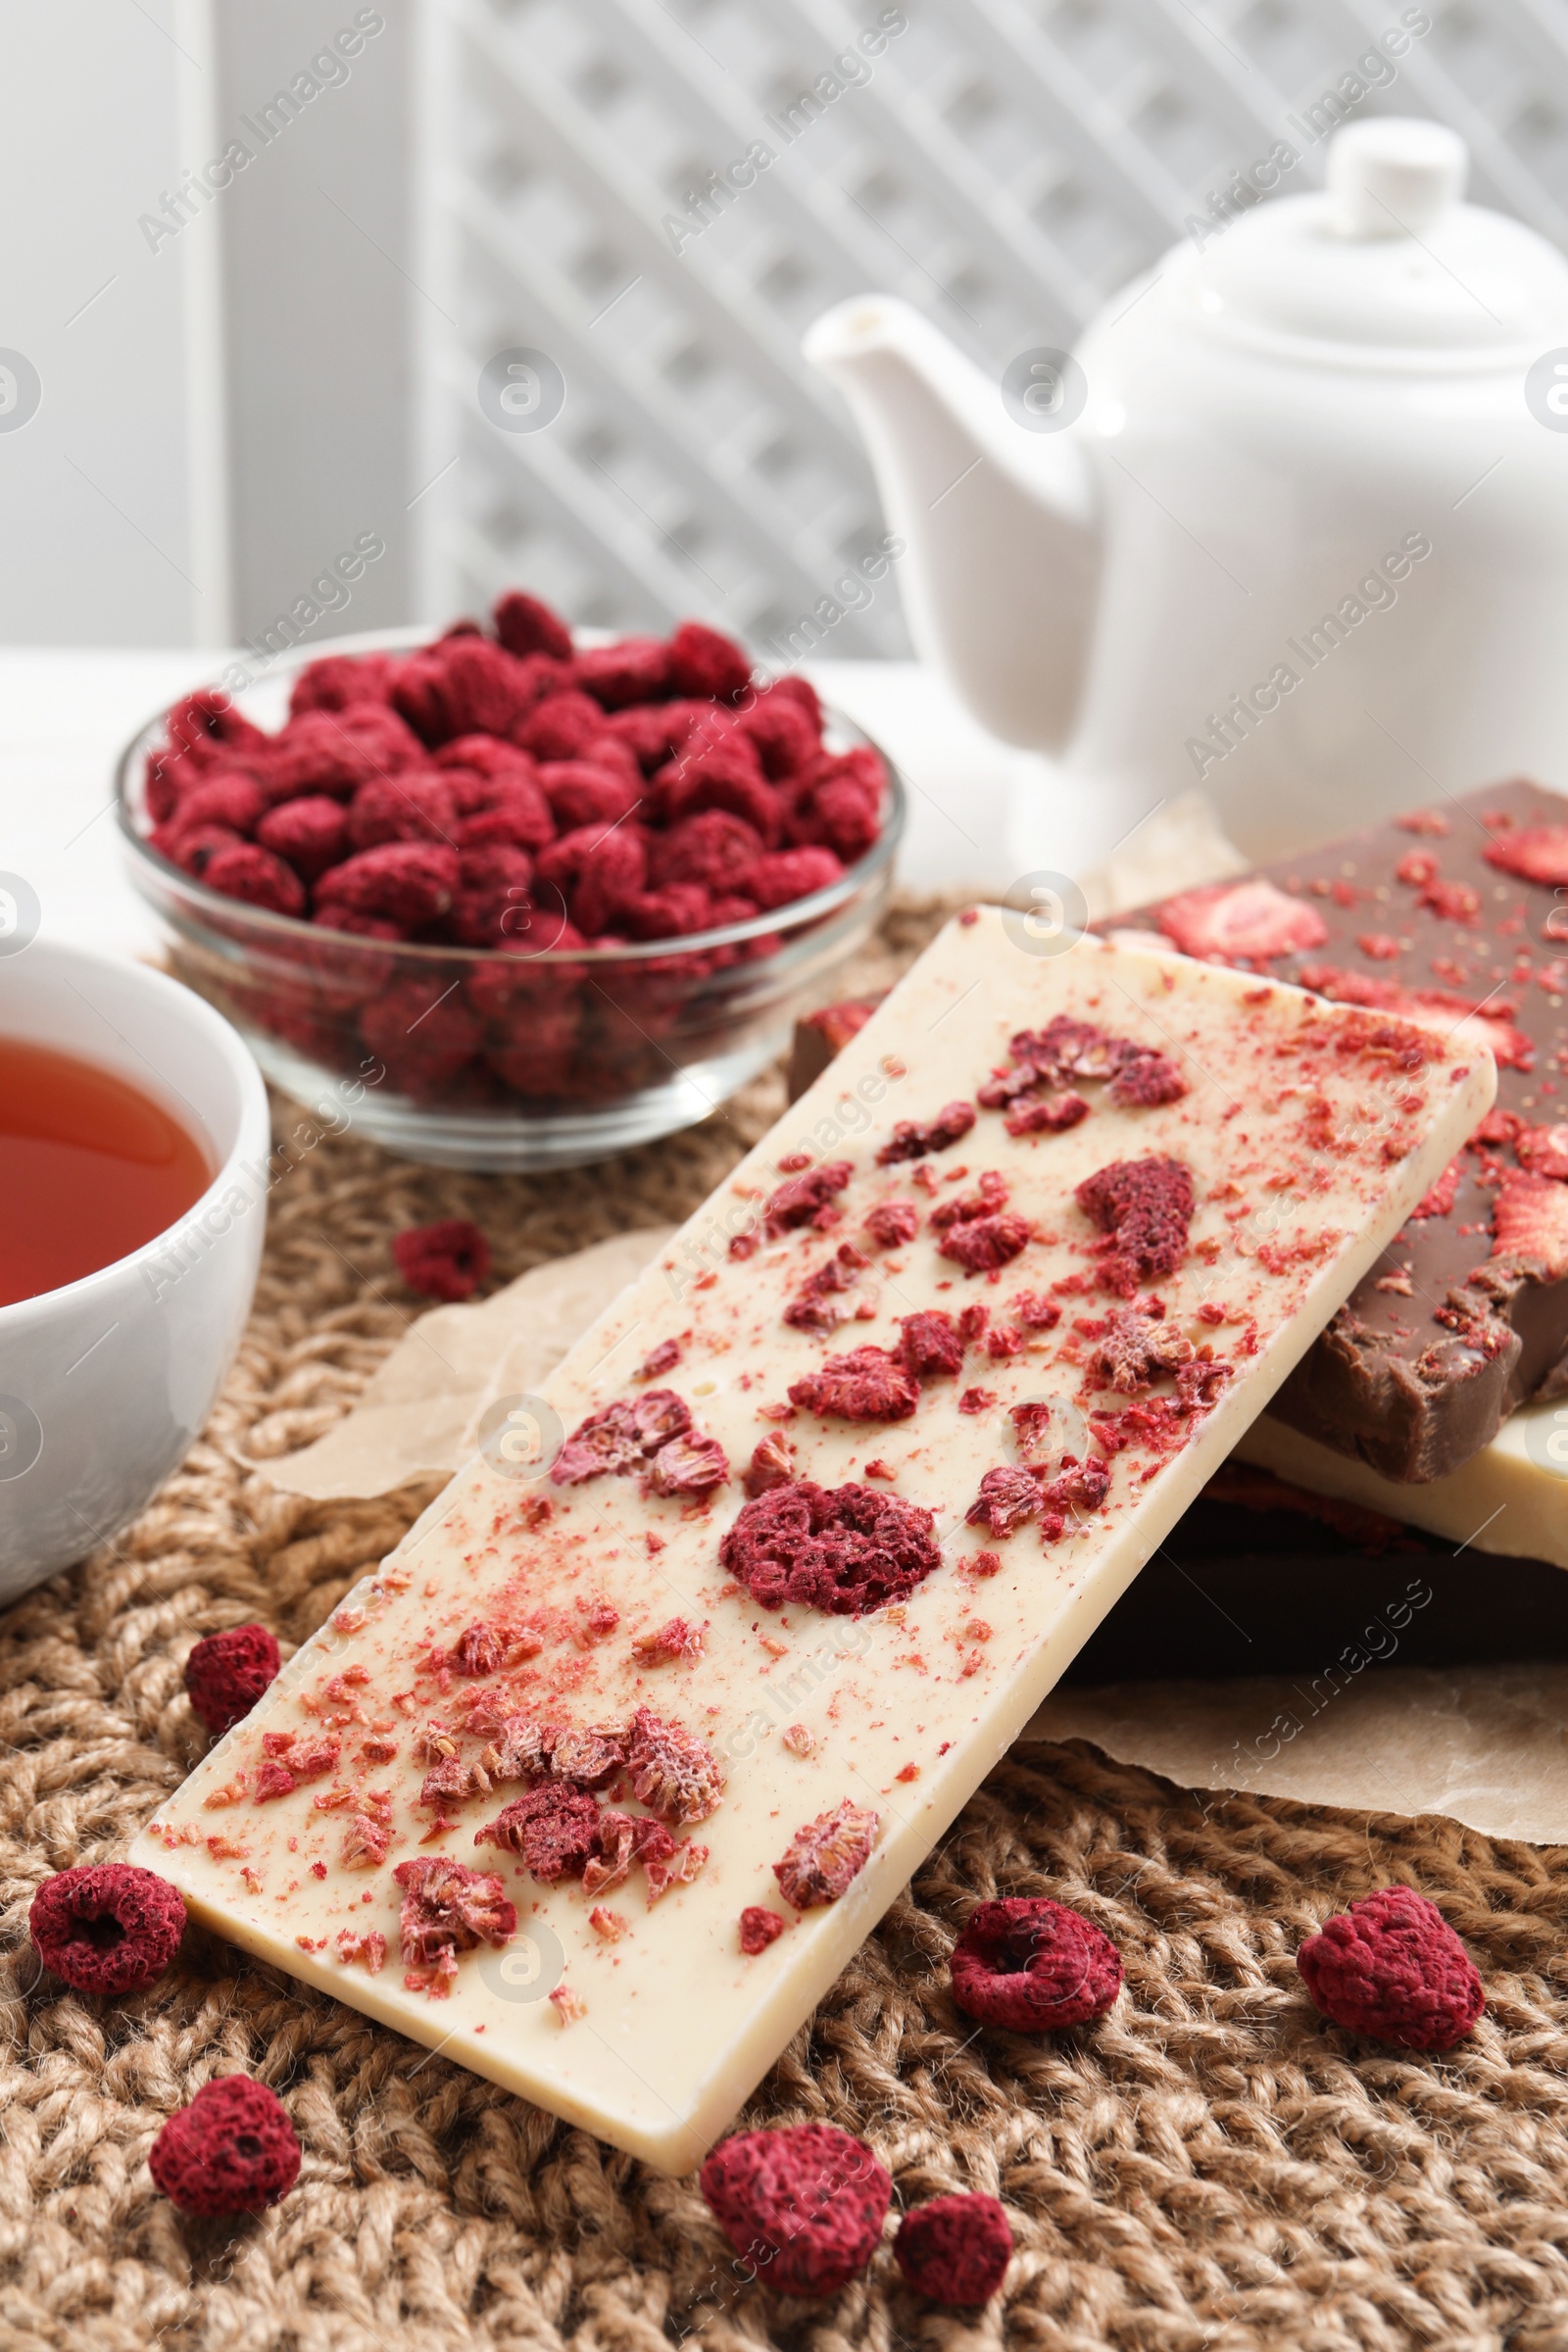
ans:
x=1393 y=176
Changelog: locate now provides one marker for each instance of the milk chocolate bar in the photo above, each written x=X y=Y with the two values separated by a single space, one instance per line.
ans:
x=1455 y=915
x=601 y=1780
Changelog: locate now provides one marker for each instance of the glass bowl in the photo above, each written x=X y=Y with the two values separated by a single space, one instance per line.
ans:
x=466 y=1057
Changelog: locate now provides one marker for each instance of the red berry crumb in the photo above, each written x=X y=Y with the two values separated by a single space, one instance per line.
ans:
x=892 y=1223
x=825 y=1856
x=108 y=1928
x=1391 y=1967
x=955 y=2249
x=232 y=2150
x=227 y=1673
x=844 y=1549
x=1030 y=1965
x=911 y=1142
x=759 y=1928
x=1145 y=1207
x=804 y=2205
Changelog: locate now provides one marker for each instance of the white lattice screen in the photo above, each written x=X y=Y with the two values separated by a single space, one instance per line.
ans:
x=1005 y=163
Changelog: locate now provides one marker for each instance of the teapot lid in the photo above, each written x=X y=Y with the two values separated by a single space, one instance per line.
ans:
x=1387 y=265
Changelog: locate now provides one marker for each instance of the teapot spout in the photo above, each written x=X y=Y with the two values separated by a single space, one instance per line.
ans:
x=1001 y=575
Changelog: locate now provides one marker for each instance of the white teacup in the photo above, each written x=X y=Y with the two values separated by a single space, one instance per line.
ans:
x=104 y=1382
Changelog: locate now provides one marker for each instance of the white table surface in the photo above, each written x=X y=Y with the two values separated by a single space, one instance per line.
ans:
x=65 y=715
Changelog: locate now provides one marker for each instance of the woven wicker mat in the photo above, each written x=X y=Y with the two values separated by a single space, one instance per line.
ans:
x=1210 y=2167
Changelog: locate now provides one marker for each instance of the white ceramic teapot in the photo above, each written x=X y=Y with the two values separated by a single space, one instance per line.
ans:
x=1290 y=526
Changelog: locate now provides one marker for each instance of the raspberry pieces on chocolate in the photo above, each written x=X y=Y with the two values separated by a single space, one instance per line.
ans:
x=984 y=1244
x=930 y=1345
x=827 y=1855
x=1391 y=1967
x=1143 y=1206
x=1031 y=1965
x=448 y=1908
x=652 y=1432
x=911 y=1142
x=893 y=1223
x=804 y=2206
x=1007 y=1498
x=1136 y=1345
x=106 y=1929
x=843 y=1549
x=555 y=1829
x=672 y=1770
x=759 y=1928
x=227 y=1673
x=806 y=1198
x=828 y=1298
x=866 y=1385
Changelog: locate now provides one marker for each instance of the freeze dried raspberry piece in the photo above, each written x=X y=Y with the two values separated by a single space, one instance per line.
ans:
x=447 y=1261
x=703 y=663
x=672 y=1770
x=824 y=1857
x=661 y=1358
x=772 y=1465
x=759 y=1928
x=626 y=1838
x=1454 y=901
x=336 y=751
x=1052 y=1115
x=829 y=1296
x=291 y=1763
x=635 y=669
x=312 y=834
x=786 y=737
x=1032 y=1966
x=843 y=1549
x=467 y=686
x=561 y=725
x=1137 y=1346
x=806 y=1198
x=911 y=1141
x=1007 y=1498
x=712 y=847
x=784 y=875
x=408 y=883
x=106 y=1929
x=1252 y=919
x=554 y=1829
x=1535 y=852
x=892 y=1223
x=688 y=1464
x=525 y=626
x=593 y=1756
x=720 y=774
x=338 y=680
x=480 y=1648
x=838 y=803
x=983 y=1244
x=1529 y=1222
x=599 y=869
x=675 y=1640
x=493 y=894
x=803 y=2207
x=232 y=2150
x=416 y=805
x=1078 y=1487
x=582 y=792
x=1147 y=1081
x=223 y=797
x=866 y=1385
x=1391 y=1967
x=241 y=871
x=227 y=1673
x=652 y=731
x=448 y=1908
x=1144 y=1207
x=206 y=723
x=930 y=1346
x=955 y=2249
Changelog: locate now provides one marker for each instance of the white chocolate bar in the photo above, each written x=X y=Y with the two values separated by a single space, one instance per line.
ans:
x=1511 y=1498
x=1307 y=1141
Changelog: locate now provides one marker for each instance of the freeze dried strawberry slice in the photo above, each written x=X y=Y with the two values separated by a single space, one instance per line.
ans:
x=1535 y=852
x=866 y=1385
x=1144 y=1207
x=1544 y=1150
x=1250 y=918
x=844 y=1549
x=1530 y=1222
x=824 y=1857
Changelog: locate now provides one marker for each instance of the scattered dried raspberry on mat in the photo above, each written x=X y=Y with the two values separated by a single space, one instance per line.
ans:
x=1391 y=1967
x=823 y=1858
x=106 y=1929
x=955 y=2249
x=447 y=1261
x=845 y=1550
x=231 y=2150
x=227 y=1673
x=803 y=2205
x=1031 y=1965
x=759 y=1928
x=1253 y=919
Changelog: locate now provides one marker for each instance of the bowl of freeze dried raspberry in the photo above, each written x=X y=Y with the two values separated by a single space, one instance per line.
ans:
x=506 y=898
